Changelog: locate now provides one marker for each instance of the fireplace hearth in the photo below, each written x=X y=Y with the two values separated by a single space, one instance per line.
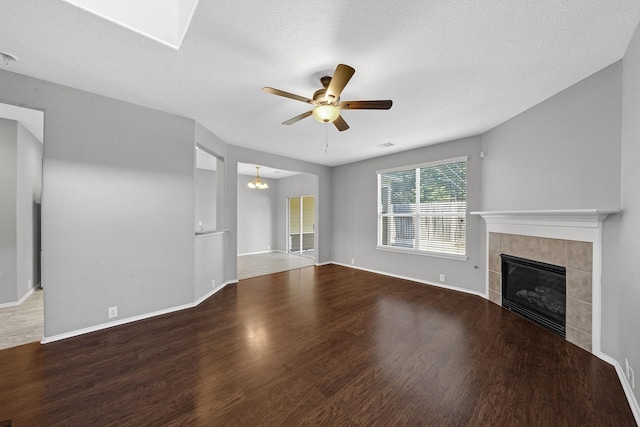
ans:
x=536 y=291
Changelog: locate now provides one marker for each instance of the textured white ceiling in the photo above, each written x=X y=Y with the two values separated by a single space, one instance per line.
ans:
x=453 y=69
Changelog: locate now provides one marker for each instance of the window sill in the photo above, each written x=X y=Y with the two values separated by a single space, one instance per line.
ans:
x=422 y=253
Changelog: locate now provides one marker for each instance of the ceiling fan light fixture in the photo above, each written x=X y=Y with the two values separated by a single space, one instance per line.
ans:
x=326 y=113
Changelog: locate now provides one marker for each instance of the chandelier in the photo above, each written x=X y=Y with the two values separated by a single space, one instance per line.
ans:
x=257 y=182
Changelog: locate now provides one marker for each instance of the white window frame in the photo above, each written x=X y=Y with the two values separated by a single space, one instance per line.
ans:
x=416 y=216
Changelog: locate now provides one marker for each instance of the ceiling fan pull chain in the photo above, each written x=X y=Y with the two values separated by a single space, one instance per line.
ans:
x=326 y=139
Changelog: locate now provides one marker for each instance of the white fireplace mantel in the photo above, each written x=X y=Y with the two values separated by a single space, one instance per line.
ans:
x=590 y=218
x=571 y=224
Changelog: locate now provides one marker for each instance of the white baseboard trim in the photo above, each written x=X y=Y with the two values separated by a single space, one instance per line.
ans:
x=413 y=279
x=258 y=253
x=318 y=264
x=213 y=291
x=20 y=301
x=628 y=391
x=77 y=332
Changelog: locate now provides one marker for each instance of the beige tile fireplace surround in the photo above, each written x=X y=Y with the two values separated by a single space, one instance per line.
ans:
x=568 y=238
x=576 y=257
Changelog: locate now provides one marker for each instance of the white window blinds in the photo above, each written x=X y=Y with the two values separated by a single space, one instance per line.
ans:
x=423 y=208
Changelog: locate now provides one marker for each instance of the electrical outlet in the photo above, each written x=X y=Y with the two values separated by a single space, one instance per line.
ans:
x=442 y=279
x=213 y=283
x=629 y=373
x=113 y=312
x=268 y=247
x=626 y=367
x=29 y=284
x=353 y=261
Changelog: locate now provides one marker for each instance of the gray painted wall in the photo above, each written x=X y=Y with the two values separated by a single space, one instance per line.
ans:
x=354 y=218
x=257 y=216
x=293 y=186
x=564 y=153
x=20 y=186
x=8 y=231
x=118 y=205
x=209 y=263
x=630 y=218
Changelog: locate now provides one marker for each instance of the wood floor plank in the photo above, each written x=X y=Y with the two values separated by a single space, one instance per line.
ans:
x=323 y=345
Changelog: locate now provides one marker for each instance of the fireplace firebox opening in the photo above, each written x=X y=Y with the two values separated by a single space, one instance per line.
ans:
x=536 y=291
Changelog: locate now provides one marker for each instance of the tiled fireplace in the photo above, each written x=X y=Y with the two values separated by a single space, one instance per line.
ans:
x=570 y=239
x=575 y=256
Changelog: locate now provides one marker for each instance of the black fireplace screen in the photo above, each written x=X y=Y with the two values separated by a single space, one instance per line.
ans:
x=535 y=290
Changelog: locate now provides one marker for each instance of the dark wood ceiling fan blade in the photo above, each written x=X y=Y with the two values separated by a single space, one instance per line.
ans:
x=340 y=78
x=287 y=95
x=366 y=105
x=341 y=124
x=298 y=118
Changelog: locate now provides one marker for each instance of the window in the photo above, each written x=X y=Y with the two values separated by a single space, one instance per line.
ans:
x=422 y=208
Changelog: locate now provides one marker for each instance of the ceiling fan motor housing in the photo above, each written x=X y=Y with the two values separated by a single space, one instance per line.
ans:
x=319 y=97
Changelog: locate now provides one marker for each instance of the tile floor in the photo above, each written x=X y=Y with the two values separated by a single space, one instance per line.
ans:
x=270 y=262
x=24 y=323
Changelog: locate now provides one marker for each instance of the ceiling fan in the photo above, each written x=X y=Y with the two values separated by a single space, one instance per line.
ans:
x=327 y=100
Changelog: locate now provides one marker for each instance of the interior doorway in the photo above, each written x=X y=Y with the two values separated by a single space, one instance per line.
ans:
x=21 y=158
x=301 y=225
x=263 y=232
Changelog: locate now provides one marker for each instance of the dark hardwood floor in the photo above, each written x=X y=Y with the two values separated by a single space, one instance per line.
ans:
x=316 y=346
